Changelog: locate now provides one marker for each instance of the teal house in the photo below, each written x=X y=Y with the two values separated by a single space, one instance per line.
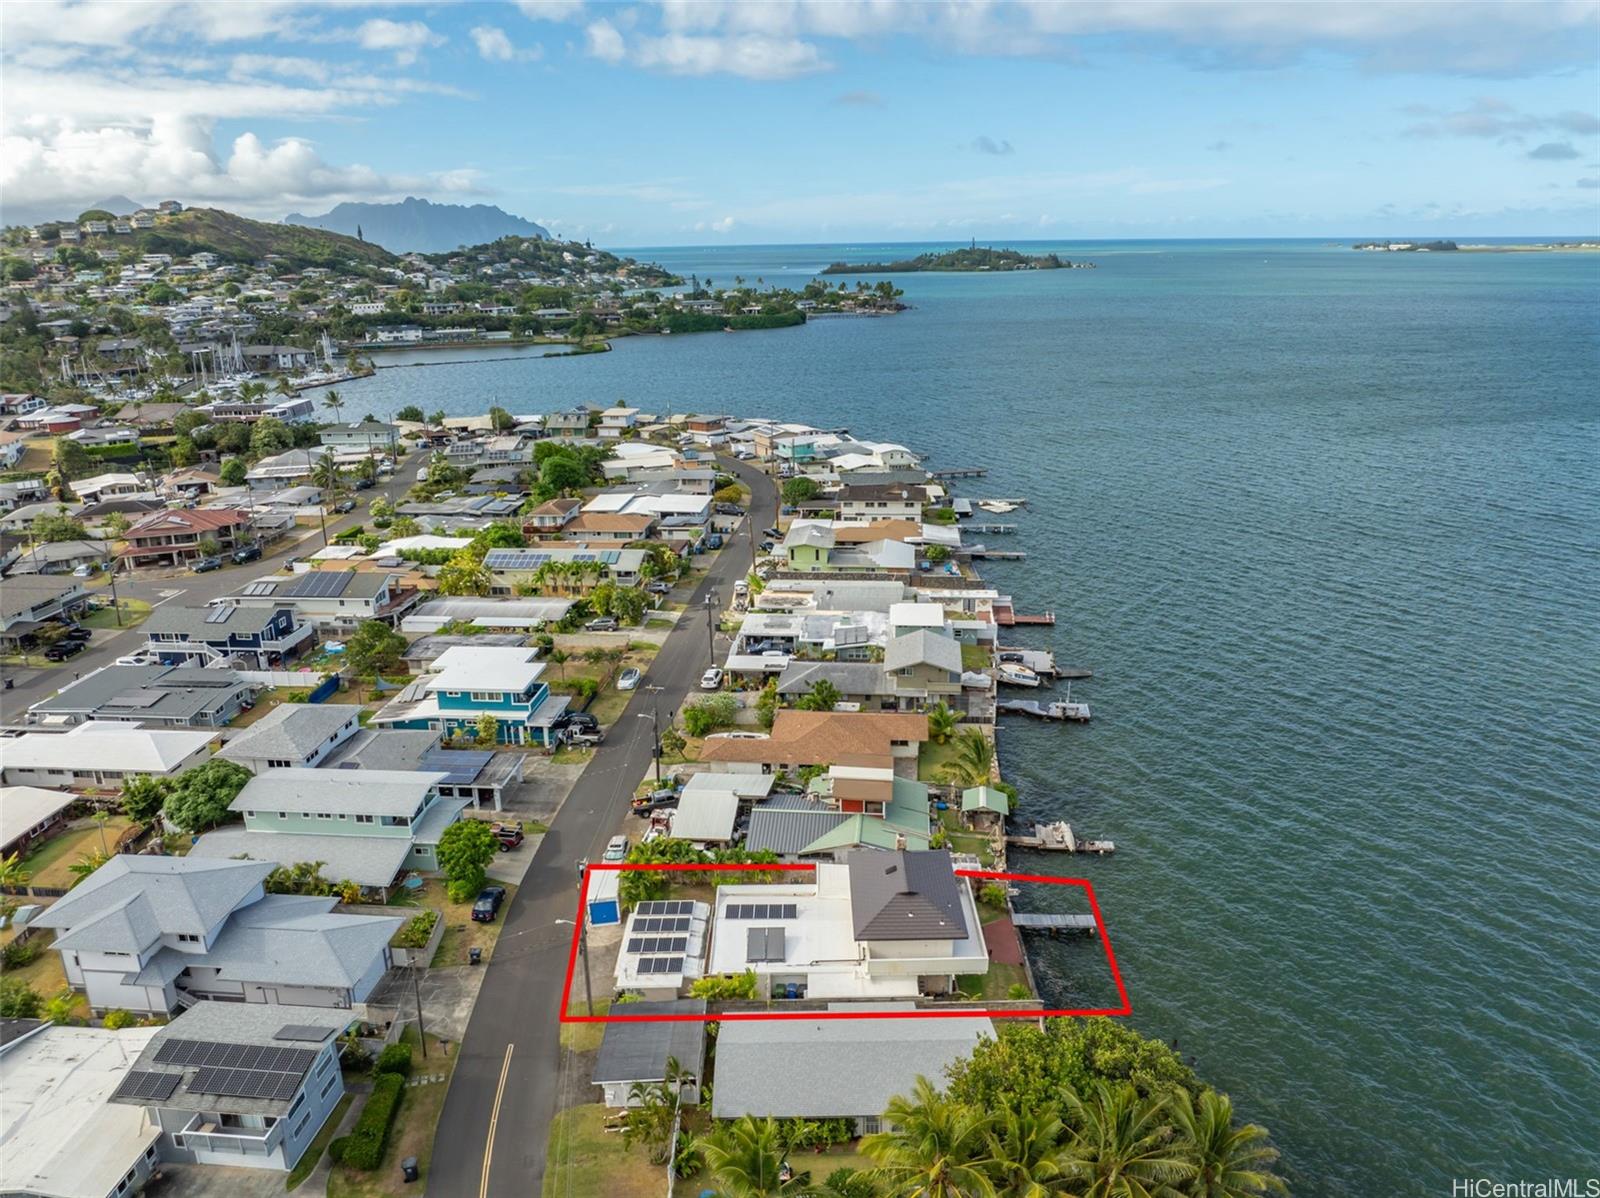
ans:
x=364 y=826
x=467 y=682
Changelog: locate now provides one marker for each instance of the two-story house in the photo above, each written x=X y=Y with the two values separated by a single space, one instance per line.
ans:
x=28 y=602
x=468 y=682
x=150 y=934
x=366 y=826
x=332 y=599
x=616 y=422
x=263 y=638
x=891 y=502
x=367 y=436
x=175 y=538
x=570 y=424
x=293 y=736
x=243 y=1086
x=551 y=517
x=923 y=667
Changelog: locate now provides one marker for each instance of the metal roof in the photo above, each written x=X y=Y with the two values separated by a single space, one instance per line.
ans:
x=905 y=896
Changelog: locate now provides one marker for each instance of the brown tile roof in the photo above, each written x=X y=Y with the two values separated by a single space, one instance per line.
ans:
x=609 y=522
x=179 y=520
x=559 y=506
x=821 y=737
x=875 y=530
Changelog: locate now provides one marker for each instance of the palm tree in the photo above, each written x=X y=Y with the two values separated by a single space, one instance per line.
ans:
x=12 y=875
x=941 y=723
x=325 y=473
x=284 y=387
x=1233 y=1162
x=974 y=759
x=746 y=1159
x=1027 y=1152
x=1123 y=1146
x=333 y=403
x=559 y=659
x=937 y=1148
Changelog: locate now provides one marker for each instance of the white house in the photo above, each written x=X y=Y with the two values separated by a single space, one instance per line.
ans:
x=100 y=754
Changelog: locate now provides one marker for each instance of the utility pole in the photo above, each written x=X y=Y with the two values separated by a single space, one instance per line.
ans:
x=416 y=990
x=116 y=604
x=711 y=626
x=583 y=950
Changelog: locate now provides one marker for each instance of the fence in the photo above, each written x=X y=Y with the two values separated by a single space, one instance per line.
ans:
x=320 y=686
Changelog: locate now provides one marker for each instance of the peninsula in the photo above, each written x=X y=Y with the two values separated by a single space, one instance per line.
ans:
x=971 y=258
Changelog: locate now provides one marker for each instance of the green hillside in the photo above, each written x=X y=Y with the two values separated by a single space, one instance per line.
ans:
x=239 y=239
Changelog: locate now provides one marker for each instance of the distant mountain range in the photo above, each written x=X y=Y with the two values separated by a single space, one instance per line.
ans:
x=421 y=226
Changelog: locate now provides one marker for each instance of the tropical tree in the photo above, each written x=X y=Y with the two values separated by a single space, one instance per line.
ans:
x=973 y=760
x=405 y=526
x=1027 y=1152
x=1230 y=1161
x=325 y=473
x=936 y=1148
x=559 y=659
x=465 y=849
x=334 y=403
x=86 y=865
x=12 y=875
x=367 y=470
x=200 y=798
x=942 y=723
x=823 y=696
x=464 y=574
x=1123 y=1146
x=746 y=1159
x=233 y=472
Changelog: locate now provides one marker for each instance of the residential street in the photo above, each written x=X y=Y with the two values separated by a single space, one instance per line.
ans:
x=30 y=685
x=493 y=1132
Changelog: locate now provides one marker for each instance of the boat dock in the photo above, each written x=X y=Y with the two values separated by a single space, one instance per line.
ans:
x=1058 y=838
x=959 y=472
x=984 y=553
x=1040 y=661
x=1007 y=617
x=992 y=529
x=1055 y=924
x=1077 y=713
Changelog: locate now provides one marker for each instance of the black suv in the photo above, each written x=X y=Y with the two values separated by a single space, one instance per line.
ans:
x=578 y=721
x=64 y=649
x=488 y=904
x=247 y=553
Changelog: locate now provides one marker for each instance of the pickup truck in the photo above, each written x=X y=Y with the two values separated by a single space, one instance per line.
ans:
x=509 y=835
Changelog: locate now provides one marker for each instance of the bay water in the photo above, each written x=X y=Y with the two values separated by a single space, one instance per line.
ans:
x=1326 y=525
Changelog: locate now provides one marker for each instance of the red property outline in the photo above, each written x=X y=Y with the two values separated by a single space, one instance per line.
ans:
x=966 y=1012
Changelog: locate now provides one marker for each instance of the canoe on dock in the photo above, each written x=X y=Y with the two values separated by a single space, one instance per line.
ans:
x=1058 y=838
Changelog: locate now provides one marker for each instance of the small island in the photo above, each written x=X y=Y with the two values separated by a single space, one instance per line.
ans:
x=971 y=258
x=1402 y=247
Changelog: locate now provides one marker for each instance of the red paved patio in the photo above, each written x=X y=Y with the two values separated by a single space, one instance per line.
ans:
x=1005 y=946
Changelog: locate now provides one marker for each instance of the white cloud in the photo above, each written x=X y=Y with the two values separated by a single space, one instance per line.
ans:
x=495 y=46
x=116 y=23
x=605 y=43
x=551 y=10
x=750 y=56
x=407 y=39
x=725 y=225
x=175 y=156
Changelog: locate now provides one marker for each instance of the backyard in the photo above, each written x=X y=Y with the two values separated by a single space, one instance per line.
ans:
x=49 y=865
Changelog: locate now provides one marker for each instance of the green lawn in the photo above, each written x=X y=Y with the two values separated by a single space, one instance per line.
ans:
x=411 y=1135
x=461 y=931
x=586 y=1161
x=308 y=1160
x=48 y=864
x=931 y=759
x=134 y=612
x=584 y=1037
x=975 y=658
x=994 y=984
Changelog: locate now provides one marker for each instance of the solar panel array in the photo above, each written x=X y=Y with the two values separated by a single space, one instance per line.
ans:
x=143 y=1084
x=658 y=944
x=219 y=615
x=246 y=1083
x=760 y=911
x=665 y=907
x=235 y=1056
x=260 y=588
x=764 y=944
x=662 y=923
x=320 y=584
x=660 y=965
x=302 y=1031
x=532 y=559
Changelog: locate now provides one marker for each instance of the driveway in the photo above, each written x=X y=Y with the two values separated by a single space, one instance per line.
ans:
x=216 y=1181
x=505 y=1089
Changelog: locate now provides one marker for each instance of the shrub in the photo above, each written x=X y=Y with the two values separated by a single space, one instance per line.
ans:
x=336 y=1149
x=363 y=1147
x=118 y=1019
x=395 y=1058
x=18 y=1000
x=709 y=714
x=19 y=953
x=415 y=934
x=993 y=895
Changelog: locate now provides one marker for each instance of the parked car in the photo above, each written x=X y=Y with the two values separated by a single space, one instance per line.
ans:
x=616 y=849
x=773 y=533
x=728 y=509
x=509 y=835
x=488 y=903
x=204 y=565
x=578 y=720
x=62 y=650
x=714 y=540
x=584 y=738
x=628 y=679
x=247 y=553
x=711 y=680
x=77 y=632
x=767 y=546
x=601 y=624
x=657 y=586
x=364 y=484
x=85 y=570
x=345 y=505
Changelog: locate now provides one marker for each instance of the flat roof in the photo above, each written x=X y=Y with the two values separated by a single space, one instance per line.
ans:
x=485 y=668
x=62 y=1136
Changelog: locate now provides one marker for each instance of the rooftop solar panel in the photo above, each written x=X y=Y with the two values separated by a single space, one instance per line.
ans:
x=144 y=1084
x=302 y=1031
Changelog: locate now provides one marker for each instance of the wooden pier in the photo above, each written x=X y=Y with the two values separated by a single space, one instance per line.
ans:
x=992 y=529
x=982 y=553
x=1055 y=924
x=960 y=472
x=1009 y=618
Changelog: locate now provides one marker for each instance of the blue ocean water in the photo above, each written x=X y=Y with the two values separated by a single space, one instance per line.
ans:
x=1327 y=526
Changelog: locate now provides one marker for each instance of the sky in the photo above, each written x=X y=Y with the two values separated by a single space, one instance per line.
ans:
x=687 y=123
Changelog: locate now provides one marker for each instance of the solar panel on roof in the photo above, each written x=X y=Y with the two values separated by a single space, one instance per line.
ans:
x=219 y=615
x=145 y=1084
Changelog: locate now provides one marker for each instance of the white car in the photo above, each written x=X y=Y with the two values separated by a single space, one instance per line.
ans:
x=628 y=679
x=616 y=849
x=711 y=680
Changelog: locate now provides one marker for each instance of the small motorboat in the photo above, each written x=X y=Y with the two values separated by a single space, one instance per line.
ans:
x=1016 y=675
x=997 y=506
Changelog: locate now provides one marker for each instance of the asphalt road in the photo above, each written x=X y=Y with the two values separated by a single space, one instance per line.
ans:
x=32 y=684
x=496 y=1120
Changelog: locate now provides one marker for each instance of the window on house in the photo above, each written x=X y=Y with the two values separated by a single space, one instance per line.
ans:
x=363 y=819
x=188 y=938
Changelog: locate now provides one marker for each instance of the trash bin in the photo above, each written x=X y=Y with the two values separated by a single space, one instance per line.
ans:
x=474 y=956
x=408 y=1168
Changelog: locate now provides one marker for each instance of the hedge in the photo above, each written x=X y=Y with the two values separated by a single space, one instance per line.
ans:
x=363 y=1147
x=395 y=1058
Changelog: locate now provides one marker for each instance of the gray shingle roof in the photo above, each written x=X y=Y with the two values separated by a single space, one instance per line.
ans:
x=348 y=792
x=638 y=1052
x=851 y=677
x=833 y=1067
x=923 y=647
x=905 y=896
x=364 y=860
x=289 y=732
x=299 y=941
x=204 y=624
x=153 y=692
x=181 y=894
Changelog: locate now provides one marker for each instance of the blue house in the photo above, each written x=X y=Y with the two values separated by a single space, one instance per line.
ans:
x=263 y=637
x=466 y=682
